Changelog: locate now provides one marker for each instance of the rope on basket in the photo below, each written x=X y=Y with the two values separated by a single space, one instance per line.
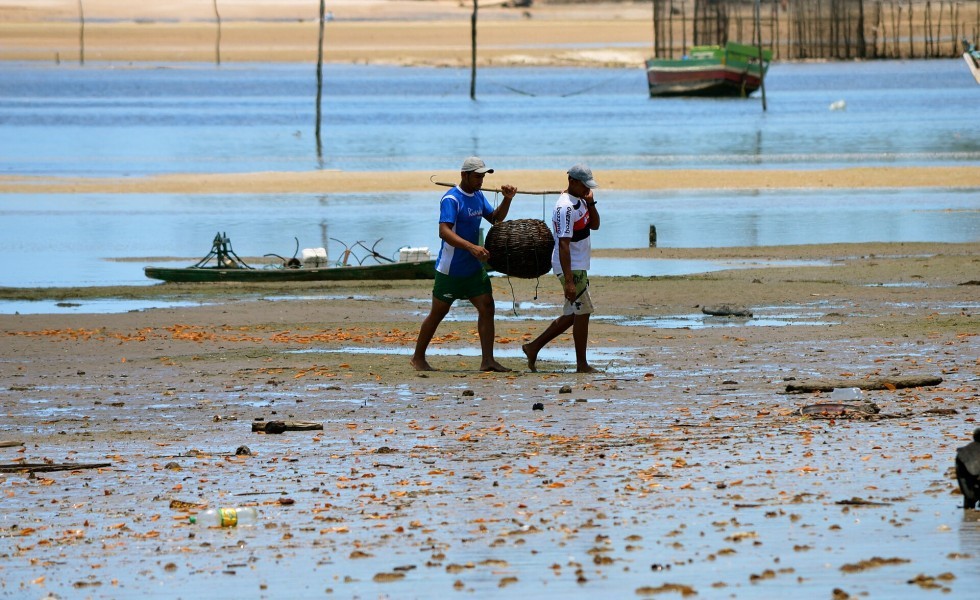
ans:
x=520 y=248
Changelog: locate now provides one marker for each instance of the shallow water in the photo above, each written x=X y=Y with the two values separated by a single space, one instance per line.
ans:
x=88 y=240
x=126 y=120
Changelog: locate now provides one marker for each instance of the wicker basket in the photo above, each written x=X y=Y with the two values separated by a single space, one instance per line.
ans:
x=520 y=248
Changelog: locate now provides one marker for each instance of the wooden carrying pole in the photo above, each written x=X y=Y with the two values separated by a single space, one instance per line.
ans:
x=500 y=191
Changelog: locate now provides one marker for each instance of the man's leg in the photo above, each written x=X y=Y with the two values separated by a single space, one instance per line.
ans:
x=438 y=312
x=556 y=328
x=484 y=325
x=580 y=334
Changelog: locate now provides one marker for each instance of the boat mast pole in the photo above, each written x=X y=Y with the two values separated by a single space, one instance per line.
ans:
x=762 y=70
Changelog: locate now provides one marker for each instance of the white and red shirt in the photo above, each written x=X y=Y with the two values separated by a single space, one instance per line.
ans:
x=570 y=219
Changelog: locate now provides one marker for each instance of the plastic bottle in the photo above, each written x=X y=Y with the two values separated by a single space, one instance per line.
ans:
x=851 y=393
x=226 y=517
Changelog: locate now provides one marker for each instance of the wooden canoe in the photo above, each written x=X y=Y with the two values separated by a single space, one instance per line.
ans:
x=395 y=270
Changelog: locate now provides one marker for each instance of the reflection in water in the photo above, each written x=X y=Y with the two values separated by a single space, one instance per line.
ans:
x=969 y=536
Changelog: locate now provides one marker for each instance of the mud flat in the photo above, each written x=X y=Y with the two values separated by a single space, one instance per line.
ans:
x=684 y=467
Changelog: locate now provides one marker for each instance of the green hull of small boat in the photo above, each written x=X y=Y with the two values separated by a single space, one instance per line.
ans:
x=399 y=270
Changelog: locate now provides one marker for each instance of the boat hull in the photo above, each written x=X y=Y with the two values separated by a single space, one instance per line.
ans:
x=732 y=71
x=400 y=270
x=973 y=61
x=713 y=82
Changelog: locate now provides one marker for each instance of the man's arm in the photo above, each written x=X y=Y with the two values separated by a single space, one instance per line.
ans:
x=447 y=234
x=593 y=211
x=500 y=213
x=565 y=260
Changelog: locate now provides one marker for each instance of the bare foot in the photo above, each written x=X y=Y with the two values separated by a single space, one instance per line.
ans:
x=532 y=358
x=587 y=369
x=494 y=366
x=420 y=364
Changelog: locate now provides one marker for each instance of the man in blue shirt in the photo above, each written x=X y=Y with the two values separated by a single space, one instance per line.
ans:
x=459 y=267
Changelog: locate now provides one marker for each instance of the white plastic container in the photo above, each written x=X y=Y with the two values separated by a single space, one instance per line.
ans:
x=314 y=257
x=843 y=394
x=414 y=255
x=226 y=517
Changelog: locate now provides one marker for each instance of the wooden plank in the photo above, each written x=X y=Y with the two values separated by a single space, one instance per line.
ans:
x=882 y=383
x=46 y=467
x=280 y=426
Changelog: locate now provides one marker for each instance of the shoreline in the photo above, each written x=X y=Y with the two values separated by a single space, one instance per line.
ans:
x=947 y=177
x=895 y=261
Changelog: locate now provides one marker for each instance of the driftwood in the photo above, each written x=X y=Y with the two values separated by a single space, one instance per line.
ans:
x=881 y=383
x=726 y=310
x=280 y=426
x=839 y=410
x=861 y=502
x=44 y=467
x=10 y=443
x=185 y=506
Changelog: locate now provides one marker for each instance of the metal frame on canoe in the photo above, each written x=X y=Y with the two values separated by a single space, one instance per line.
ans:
x=223 y=264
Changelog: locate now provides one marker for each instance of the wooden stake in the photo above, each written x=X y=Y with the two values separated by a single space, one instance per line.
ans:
x=217 y=41
x=81 y=33
x=319 y=80
x=473 y=51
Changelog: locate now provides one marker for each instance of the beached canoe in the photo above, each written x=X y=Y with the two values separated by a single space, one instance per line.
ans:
x=223 y=264
x=397 y=270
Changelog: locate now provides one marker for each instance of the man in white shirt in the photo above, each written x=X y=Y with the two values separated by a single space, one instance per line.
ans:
x=574 y=219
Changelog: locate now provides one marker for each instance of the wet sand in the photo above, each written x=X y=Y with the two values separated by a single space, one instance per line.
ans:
x=364 y=181
x=684 y=466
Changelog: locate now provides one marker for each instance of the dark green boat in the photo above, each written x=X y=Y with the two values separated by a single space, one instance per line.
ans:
x=734 y=70
x=222 y=264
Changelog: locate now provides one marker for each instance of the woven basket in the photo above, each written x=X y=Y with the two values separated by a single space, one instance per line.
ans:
x=520 y=248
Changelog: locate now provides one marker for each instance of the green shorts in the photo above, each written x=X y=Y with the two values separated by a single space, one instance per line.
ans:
x=449 y=289
x=583 y=301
